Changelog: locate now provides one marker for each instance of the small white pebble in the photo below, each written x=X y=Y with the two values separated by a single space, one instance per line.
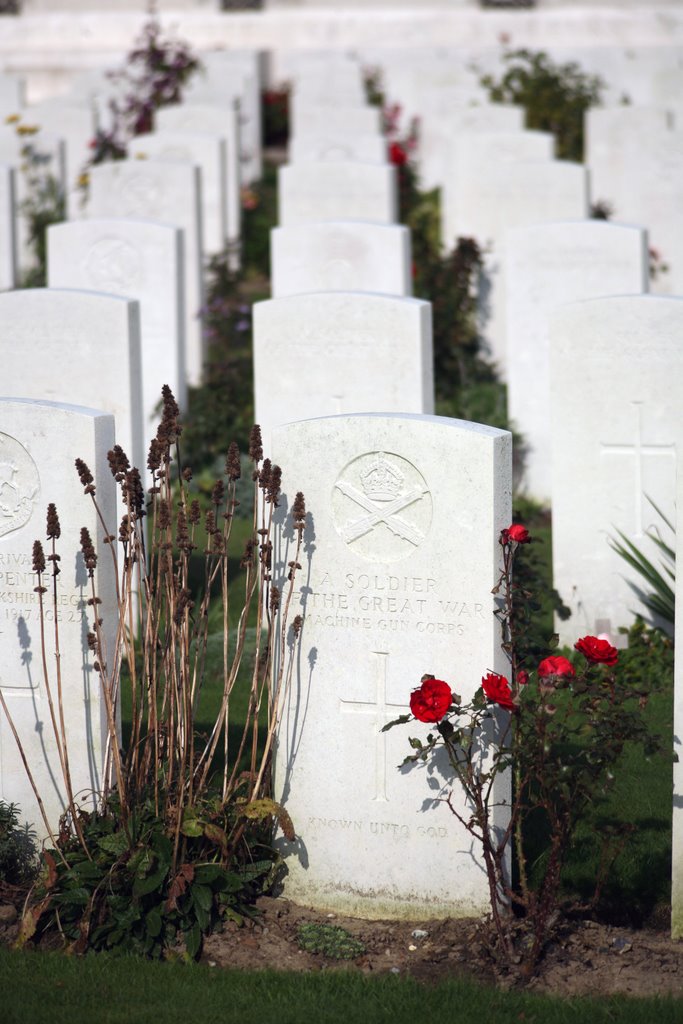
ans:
x=395 y=970
x=331 y=915
x=420 y=933
x=412 y=947
x=212 y=963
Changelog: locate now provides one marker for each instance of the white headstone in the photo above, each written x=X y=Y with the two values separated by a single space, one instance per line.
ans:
x=546 y=266
x=393 y=589
x=369 y=149
x=341 y=352
x=310 y=119
x=221 y=121
x=76 y=126
x=208 y=152
x=349 y=256
x=337 y=190
x=443 y=129
x=226 y=83
x=169 y=193
x=76 y=347
x=8 y=225
x=636 y=164
x=139 y=260
x=496 y=196
x=12 y=95
x=615 y=392
x=39 y=442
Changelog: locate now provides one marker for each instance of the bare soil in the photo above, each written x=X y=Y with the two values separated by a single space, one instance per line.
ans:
x=587 y=958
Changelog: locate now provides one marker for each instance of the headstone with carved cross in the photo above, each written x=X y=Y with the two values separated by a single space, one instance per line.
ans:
x=400 y=555
x=615 y=394
x=546 y=266
x=38 y=444
x=336 y=352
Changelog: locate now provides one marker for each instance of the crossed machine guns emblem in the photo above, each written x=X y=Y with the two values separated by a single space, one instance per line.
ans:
x=382 y=498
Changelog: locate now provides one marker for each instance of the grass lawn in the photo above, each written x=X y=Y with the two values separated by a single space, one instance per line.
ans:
x=103 y=990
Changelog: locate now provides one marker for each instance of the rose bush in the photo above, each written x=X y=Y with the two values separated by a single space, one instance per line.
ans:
x=561 y=746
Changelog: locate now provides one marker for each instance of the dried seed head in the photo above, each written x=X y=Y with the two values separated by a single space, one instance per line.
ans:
x=184 y=606
x=89 y=553
x=187 y=474
x=218 y=492
x=299 y=511
x=218 y=543
x=164 y=514
x=133 y=493
x=274 y=485
x=195 y=512
x=38 y=557
x=293 y=566
x=118 y=462
x=267 y=555
x=85 y=476
x=155 y=455
x=264 y=475
x=296 y=625
x=210 y=521
x=274 y=598
x=248 y=556
x=124 y=530
x=255 y=444
x=92 y=642
x=53 y=528
x=233 y=468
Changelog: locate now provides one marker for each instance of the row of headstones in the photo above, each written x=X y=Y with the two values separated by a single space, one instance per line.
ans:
x=609 y=368
x=547 y=266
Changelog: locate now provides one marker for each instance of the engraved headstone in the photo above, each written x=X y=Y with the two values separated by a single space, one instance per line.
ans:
x=341 y=352
x=337 y=190
x=615 y=388
x=401 y=554
x=349 y=256
x=77 y=347
x=76 y=126
x=168 y=193
x=494 y=196
x=208 y=152
x=438 y=133
x=8 y=234
x=38 y=444
x=367 y=149
x=223 y=122
x=641 y=175
x=546 y=266
x=138 y=260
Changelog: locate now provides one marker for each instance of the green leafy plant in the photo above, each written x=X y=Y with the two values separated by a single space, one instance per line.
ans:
x=560 y=729
x=18 y=849
x=660 y=598
x=330 y=941
x=181 y=832
x=554 y=96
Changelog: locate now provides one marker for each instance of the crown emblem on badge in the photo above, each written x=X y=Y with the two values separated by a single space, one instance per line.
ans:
x=381 y=481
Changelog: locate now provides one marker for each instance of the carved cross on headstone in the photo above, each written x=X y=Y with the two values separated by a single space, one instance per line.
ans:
x=383 y=711
x=639 y=451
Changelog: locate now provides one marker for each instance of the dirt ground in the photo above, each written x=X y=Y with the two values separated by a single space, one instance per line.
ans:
x=587 y=959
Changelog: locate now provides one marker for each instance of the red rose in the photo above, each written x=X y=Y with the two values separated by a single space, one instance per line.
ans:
x=397 y=154
x=522 y=677
x=555 y=666
x=431 y=701
x=497 y=689
x=599 y=651
x=518 y=533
